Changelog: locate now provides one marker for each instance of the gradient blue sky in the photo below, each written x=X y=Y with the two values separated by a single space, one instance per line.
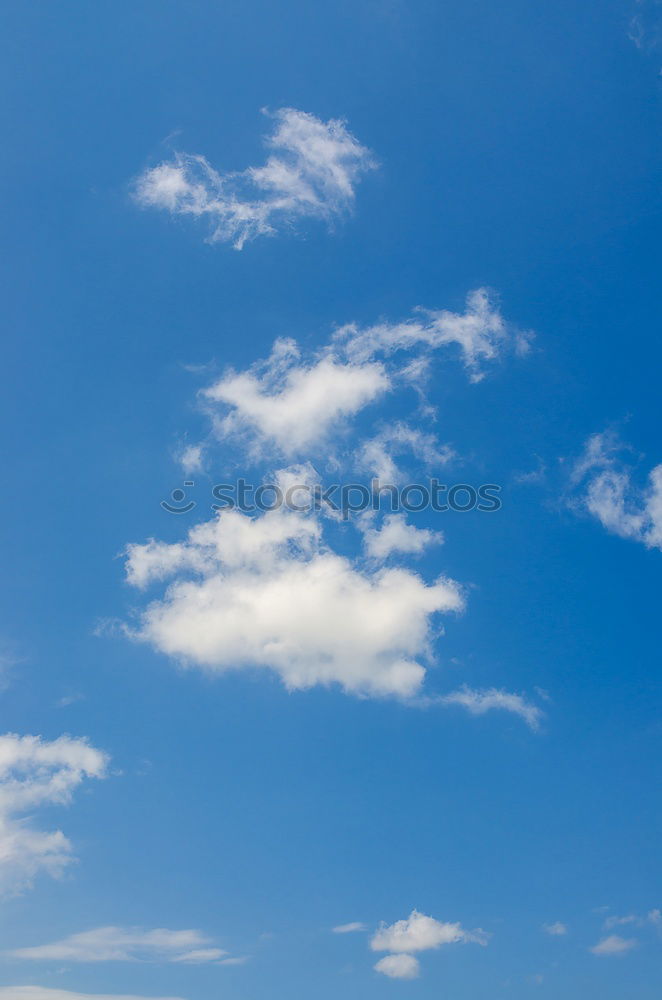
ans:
x=518 y=150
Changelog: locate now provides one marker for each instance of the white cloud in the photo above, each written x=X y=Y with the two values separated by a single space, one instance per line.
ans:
x=42 y=993
x=377 y=455
x=614 y=945
x=127 y=944
x=478 y=702
x=399 y=966
x=295 y=405
x=265 y=592
x=312 y=172
x=349 y=928
x=396 y=535
x=421 y=933
x=34 y=773
x=191 y=458
x=480 y=333
x=610 y=494
x=612 y=922
x=556 y=929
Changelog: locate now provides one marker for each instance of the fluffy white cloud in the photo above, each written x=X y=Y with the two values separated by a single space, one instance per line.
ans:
x=399 y=966
x=610 y=494
x=312 y=172
x=491 y=699
x=614 y=945
x=42 y=993
x=34 y=773
x=127 y=944
x=421 y=933
x=349 y=928
x=396 y=535
x=264 y=592
x=480 y=333
x=556 y=929
x=293 y=404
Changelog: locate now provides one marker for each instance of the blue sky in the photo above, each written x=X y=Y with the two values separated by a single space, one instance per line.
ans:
x=298 y=723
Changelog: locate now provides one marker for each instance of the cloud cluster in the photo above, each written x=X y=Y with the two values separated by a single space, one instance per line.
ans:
x=269 y=591
x=34 y=773
x=608 y=492
x=311 y=172
x=265 y=592
x=296 y=404
x=127 y=944
x=417 y=933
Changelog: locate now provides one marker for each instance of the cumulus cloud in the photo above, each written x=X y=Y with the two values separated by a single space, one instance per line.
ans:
x=421 y=933
x=294 y=404
x=480 y=334
x=399 y=966
x=416 y=934
x=127 y=944
x=265 y=592
x=42 y=993
x=396 y=535
x=34 y=773
x=311 y=172
x=349 y=928
x=609 y=493
x=614 y=945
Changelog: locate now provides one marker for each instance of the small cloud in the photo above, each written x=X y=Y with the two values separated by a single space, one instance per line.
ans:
x=349 y=928
x=399 y=967
x=69 y=699
x=556 y=929
x=614 y=945
x=191 y=458
x=478 y=702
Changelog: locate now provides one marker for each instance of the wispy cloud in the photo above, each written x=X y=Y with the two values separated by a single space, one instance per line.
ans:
x=312 y=172
x=605 y=487
x=352 y=928
x=480 y=333
x=36 y=773
x=127 y=944
x=556 y=929
x=479 y=702
x=42 y=993
x=613 y=946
